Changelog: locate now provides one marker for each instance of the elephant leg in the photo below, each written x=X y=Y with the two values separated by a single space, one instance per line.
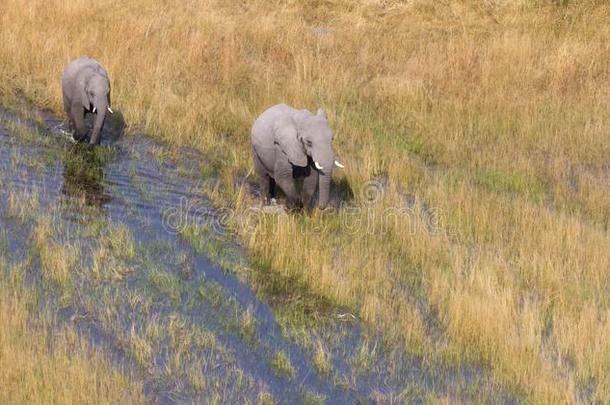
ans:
x=309 y=188
x=271 y=187
x=265 y=185
x=284 y=179
x=77 y=115
x=265 y=181
x=67 y=109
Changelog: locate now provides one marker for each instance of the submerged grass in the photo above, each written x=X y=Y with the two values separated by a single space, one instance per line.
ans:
x=36 y=364
x=494 y=115
x=282 y=364
x=148 y=324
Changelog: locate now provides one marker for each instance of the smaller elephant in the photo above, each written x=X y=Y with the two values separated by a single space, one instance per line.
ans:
x=86 y=89
x=288 y=144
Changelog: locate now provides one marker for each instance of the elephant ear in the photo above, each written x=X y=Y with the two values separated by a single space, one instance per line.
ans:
x=286 y=136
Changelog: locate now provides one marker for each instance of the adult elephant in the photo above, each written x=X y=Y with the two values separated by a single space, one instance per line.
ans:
x=288 y=143
x=86 y=89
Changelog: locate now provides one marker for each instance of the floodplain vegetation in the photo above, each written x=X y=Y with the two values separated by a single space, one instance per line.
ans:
x=487 y=119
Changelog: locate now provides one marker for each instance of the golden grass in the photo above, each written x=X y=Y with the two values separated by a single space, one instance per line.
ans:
x=57 y=259
x=322 y=359
x=71 y=372
x=493 y=113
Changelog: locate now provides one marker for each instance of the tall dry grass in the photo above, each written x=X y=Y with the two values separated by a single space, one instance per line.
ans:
x=494 y=113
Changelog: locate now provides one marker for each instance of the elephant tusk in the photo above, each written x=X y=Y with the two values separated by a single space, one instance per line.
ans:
x=94 y=110
x=318 y=166
x=110 y=110
x=338 y=164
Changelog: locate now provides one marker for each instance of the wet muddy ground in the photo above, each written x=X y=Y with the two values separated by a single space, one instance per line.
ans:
x=143 y=269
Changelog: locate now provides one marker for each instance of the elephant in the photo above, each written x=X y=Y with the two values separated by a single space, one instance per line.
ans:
x=86 y=89
x=288 y=144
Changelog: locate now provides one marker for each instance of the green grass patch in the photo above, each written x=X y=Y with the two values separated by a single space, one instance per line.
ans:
x=211 y=292
x=408 y=144
x=510 y=182
x=167 y=284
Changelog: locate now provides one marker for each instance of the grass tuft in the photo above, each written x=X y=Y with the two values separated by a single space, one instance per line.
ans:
x=281 y=362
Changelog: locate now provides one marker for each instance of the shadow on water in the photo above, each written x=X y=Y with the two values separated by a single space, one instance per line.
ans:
x=132 y=182
x=114 y=128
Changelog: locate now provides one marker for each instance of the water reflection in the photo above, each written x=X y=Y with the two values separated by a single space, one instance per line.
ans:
x=84 y=173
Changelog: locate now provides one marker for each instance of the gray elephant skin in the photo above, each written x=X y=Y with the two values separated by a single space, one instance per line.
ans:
x=86 y=89
x=287 y=144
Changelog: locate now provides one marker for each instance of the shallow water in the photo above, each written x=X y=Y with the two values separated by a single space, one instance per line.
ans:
x=134 y=183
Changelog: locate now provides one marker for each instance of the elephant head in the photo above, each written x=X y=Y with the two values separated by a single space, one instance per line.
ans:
x=95 y=97
x=310 y=136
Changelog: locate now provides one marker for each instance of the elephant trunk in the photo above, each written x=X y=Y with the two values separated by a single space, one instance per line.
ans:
x=324 y=160
x=324 y=188
x=326 y=175
x=100 y=115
